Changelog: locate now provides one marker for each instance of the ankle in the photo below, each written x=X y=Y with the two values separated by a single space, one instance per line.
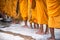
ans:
x=53 y=37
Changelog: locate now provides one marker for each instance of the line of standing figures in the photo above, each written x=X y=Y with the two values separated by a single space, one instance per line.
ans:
x=38 y=12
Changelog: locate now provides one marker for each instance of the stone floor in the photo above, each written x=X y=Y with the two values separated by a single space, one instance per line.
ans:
x=18 y=32
x=5 y=36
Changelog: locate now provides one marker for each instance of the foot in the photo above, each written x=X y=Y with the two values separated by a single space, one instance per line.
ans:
x=13 y=22
x=35 y=28
x=17 y=22
x=31 y=27
x=51 y=38
x=25 y=26
x=46 y=32
x=40 y=32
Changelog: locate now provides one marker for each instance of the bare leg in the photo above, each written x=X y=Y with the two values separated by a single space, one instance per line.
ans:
x=31 y=25
x=52 y=34
x=26 y=26
x=18 y=22
x=40 y=30
x=37 y=26
x=34 y=25
x=14 y=21
x=47 y=30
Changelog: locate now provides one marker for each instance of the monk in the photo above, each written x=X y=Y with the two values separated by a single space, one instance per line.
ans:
x=11 y=10
x=29 y=12
x=32 y=13
x=24 y=11
x=8 y=7
x=3 y=8
x=42 y=17
x=15 y=10
x=53 y=7
x=19 y=19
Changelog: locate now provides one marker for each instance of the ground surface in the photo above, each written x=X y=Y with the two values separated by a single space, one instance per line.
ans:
x=18 y=32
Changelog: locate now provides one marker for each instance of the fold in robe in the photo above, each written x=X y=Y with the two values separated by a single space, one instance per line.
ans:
x=42 y=17
x=11 y=8
x=2 y=6
x=24 y=9
x=33 y=12
x=53 y=7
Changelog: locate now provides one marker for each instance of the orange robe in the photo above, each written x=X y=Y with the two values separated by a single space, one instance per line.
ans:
x=19 y=13
x=53 y=7
x=14 y=8
x=11 y=8
x=33 y=12
x=29 y=10
x=24 y=9
x=2 y=6
x=42 y=17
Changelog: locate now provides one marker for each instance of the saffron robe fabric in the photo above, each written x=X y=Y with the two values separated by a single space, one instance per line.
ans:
x=24 y=9
x=33 y=12
x=42 y=17
x=2 y=6
x=11 y=8
x=53 y=7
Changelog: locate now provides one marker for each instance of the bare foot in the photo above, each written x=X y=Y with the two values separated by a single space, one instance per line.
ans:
x=31 y=27
x=37 y=27
x=34 y=27
x=25 y=26
x=14 y=22
x=18 y=22
x=46 y=33
x=51 y=38
x=40 y=32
